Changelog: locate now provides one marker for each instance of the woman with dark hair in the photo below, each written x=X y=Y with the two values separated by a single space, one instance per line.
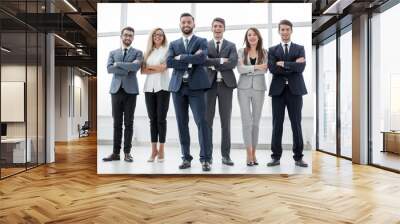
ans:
x=252 y=66
x=156 y=90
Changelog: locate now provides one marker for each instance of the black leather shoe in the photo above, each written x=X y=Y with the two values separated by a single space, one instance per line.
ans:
x=274 y=162
x=251 y=163
x=255 y=163
x=301 y=163
x=206 y=166
x=227 y=161
x=128 y=157
x=111 y=157
x=185 y=164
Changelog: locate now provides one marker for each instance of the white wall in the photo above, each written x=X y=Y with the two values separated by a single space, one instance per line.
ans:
x=67 y=115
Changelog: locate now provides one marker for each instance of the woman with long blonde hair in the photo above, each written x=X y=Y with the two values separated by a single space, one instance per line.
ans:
x=156 y=90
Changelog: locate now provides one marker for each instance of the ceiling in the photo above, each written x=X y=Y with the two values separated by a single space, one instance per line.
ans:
x=76 y=23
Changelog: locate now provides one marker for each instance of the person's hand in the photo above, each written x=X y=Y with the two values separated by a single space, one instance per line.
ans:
x=163 y=67
x=198 y=51
x=178 y=57
x=115 y=63
x=136 y=61
x=280 y=63
x=225 y=60
x=301 y=60
x=261 y=67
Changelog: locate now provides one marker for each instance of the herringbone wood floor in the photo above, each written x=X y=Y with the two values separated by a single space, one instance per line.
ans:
x=70 y=191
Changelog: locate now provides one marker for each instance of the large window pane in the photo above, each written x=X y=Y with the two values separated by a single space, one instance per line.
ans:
x=385 y=84
x=13 y=85
x=110 y=21
x=256 y=13
x=327 y=97
x=139 y=18
x=295 y=12
x=346 y=94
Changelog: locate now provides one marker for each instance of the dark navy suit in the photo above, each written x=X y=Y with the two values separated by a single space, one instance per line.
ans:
x=190 y=93
x=287 y=90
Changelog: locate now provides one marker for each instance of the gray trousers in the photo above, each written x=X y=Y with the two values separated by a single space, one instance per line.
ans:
x=251 y=102
x=224 y=94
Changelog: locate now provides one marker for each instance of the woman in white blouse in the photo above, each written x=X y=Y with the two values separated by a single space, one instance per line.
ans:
x=156 y=90
x=252 y=66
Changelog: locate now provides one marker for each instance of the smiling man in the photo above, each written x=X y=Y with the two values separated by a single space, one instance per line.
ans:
x=286 y=62
x=222 y=59
x=123 y=63
x=187 y=57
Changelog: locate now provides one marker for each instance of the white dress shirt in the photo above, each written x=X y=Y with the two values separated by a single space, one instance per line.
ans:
x=157 y=81
x=221 y=61
x=288 y=47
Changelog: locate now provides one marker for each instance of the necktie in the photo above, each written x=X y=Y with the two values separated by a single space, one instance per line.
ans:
x=186 y=44
x=218 y=47
x=286 y=51
x=123 y=59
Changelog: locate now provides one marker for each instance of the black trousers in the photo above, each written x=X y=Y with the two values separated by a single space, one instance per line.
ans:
x=157 y=108
x=294 y=104
x=123 y=109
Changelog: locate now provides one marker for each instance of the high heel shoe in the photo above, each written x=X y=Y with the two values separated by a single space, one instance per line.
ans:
x=255 y=162
x=251 y=163
x=151 y=159
x=160 y=160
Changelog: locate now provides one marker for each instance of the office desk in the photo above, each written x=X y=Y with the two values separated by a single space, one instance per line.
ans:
x=391 y=141
x=13 y=150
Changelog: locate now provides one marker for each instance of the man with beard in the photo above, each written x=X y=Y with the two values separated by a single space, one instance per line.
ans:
x=189 y=81
x=123 y=63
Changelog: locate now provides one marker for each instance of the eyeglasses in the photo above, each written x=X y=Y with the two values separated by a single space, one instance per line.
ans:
x=127 y=35
x=158 y=34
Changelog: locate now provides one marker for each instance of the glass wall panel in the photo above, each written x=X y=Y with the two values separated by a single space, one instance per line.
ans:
x=327 y=96
x=385 y=89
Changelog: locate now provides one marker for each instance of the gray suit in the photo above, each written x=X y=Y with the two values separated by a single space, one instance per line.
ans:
x=251 y=94
x=124 y=72
x=223 y=89
x=123 y=90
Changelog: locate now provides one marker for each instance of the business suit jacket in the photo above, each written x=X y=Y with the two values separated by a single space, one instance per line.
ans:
x=124 y=72
x=227 y=50
x=249 y=77
x=197 y=74
x=292 y=71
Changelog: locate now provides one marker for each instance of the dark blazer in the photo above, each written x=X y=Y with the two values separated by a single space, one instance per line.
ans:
x=227 y=50
x=293 y=71
x=197 y=74
x=124 y=72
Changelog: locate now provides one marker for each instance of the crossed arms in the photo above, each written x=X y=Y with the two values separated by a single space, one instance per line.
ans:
x=123 y=68
x=286 y=67
x=184 y=61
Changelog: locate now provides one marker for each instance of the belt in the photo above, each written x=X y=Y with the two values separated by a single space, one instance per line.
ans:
x=286 y=81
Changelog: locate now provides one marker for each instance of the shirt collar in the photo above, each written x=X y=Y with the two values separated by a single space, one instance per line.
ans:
x=220 y=41
x=189 y=38
x=122 y=48
x=288 y=43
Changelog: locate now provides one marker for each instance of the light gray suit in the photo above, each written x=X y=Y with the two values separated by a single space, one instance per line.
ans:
x=251 y=94
x=124 y=72
x=222 y=89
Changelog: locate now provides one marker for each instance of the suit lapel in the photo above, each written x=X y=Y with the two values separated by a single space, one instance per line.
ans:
x=211 y=48
x=224 y=43
x=281 y=52
x=191 y=41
